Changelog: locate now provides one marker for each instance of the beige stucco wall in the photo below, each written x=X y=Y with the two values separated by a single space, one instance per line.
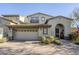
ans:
x=63 y=21
x=1 y=32
x=40 y=16
x=10 y=33
x=3 y=26
x=40 y=31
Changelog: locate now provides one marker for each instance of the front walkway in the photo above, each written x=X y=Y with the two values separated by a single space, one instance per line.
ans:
x=35 y=48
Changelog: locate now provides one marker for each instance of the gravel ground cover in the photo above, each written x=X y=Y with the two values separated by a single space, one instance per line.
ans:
x=35 y=48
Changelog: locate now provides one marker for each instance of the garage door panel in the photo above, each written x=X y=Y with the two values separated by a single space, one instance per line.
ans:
x=26 y=35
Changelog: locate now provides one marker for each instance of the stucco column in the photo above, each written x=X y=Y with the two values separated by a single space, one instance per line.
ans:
x=1 y=33
x=10 y=33
x=39 y=32
x=67 y=30
x=49 y=32
x=52 y=30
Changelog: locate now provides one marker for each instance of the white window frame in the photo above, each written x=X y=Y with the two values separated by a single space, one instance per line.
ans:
x=45 y=31
x=43 y=18
x=33 y=19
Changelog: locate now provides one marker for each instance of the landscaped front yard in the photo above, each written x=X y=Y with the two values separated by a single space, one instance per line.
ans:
x=35 y=48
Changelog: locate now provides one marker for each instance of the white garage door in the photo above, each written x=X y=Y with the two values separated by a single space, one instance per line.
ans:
x=26 y=35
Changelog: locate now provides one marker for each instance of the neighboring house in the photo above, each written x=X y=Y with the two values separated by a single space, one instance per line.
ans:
x=33 y=26
x=3 y=26
x=14 y=18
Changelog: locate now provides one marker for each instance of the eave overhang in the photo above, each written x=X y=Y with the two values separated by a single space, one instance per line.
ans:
x=29 y=26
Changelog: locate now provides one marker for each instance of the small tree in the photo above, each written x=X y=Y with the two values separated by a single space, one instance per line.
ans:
x=75 y=36
x=75 y=16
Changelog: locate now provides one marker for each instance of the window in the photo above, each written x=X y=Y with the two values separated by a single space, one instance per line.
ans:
x=43 y=18
x=34 y=20
x=45 y=30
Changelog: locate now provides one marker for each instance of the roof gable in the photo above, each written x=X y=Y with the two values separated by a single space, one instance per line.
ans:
x=8 y=20
x=57 y=17
x=40 y=13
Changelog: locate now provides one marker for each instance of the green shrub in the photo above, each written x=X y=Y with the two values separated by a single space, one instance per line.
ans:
x=4 y=39
x=70 y=36
x=45 y=40
x=52 y=38
x=49 y=40
x=57 y=42
x=76 y=41
x=74 y=37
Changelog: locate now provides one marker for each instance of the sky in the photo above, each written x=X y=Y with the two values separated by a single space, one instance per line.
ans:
x=25 y=9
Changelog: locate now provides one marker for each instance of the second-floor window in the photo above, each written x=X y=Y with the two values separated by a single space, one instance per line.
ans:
x=34 y=20
x=43 y=18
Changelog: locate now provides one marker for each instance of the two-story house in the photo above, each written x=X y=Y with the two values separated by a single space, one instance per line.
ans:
x=33 y=26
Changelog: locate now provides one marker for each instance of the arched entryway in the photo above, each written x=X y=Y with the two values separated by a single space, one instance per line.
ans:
x=59 y=31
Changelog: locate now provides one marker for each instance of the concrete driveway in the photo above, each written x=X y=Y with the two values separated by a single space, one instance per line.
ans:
x=35 y=48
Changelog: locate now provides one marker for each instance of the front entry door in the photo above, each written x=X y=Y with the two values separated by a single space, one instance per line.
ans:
x=59 y=31
x=62 y=34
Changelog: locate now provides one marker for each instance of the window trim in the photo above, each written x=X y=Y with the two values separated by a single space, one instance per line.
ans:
x=45 y=31
x=31 y=21
x=43 y=18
